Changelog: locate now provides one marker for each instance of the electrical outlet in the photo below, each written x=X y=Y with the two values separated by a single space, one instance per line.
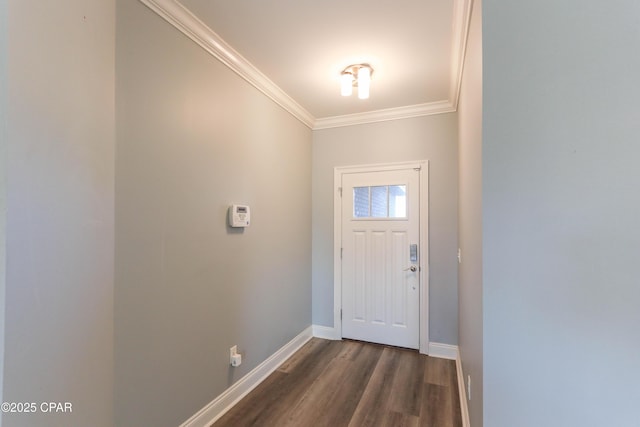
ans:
x=235 y=358
x=469 y=387
x=232 y=352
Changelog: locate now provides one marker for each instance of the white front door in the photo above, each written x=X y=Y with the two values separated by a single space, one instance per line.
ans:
x=380 y=256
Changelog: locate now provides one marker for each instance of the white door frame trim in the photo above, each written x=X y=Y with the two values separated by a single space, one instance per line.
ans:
x=424 y=241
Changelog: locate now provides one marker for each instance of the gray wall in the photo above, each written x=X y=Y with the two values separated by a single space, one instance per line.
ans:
x=193 y=138
x=470 y=216
x=432 y=138
x=60 y=174
x=561 y=239
x=3 y=181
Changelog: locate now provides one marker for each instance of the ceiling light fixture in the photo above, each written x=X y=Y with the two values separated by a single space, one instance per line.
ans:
x=358 y=75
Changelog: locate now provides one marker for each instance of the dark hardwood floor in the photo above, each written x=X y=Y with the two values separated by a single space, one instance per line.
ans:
x=350 y=383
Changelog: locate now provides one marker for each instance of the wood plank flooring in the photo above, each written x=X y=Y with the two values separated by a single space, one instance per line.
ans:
x=355 y=384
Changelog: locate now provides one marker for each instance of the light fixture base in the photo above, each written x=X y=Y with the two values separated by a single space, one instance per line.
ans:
x=353 y=71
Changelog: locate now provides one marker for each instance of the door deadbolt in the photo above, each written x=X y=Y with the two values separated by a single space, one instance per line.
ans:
x=413 y=253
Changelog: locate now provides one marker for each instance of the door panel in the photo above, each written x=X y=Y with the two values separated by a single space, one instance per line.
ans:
x=380 y=293
x=399 y=261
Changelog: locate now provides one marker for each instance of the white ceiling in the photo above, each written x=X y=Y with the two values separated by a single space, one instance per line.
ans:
x=301 y=46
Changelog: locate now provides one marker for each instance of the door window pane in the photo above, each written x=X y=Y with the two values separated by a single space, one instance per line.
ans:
x=380 y=201
x=361 y=202
x=397 y=201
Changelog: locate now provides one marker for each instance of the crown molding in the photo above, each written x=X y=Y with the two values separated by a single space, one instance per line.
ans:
x=397 y=113
x=186 y=22
x=460 y=34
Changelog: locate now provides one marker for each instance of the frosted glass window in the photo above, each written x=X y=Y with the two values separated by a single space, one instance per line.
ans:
x=380 y=201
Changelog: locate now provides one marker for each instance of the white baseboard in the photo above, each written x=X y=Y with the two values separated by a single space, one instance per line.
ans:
x=435 y=349
x=443 y=351
x=462 y=389
x=452 y=352
x=325 y=332
x=221 y=404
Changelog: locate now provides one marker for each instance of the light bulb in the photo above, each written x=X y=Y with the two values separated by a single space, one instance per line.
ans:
x=364 y=79
x=346 y=81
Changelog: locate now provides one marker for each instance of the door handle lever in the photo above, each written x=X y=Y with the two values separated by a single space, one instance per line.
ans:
x=413 y=269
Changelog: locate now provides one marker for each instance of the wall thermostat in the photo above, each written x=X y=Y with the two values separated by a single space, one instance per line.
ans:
x=239 y=216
